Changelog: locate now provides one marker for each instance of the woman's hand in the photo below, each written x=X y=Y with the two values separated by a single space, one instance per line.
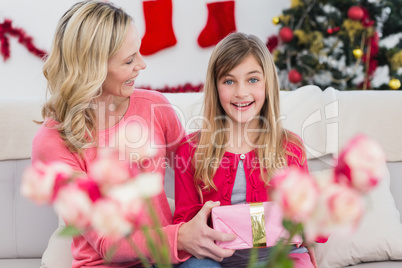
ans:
x=197 y=238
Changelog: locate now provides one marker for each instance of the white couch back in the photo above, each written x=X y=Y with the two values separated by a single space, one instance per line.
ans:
x=324 y=119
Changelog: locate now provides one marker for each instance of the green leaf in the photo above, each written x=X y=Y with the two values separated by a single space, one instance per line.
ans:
x=288 y=225
x=253 y=258
x=70 y=231
x=287 y=263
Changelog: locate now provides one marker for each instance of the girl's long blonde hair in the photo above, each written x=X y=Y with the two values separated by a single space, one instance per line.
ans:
x=87 y=35
x=271 y=151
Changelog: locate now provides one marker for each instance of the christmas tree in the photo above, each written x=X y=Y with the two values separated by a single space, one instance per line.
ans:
x=339 y=43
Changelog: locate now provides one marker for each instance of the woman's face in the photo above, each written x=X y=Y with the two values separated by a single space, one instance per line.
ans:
x=124 y=66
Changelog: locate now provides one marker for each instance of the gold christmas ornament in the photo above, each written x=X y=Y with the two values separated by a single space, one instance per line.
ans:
x=352 y=28
x=358 y=53
x=296 y=3
x=276 y=20
x=394 y=84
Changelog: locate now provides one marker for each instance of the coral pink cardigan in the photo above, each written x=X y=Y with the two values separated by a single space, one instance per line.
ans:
x=153 y=108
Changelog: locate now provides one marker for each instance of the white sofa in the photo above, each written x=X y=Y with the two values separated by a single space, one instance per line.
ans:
x=324 y=119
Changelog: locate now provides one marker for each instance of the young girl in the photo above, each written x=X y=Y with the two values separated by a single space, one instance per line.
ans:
x=242 y=141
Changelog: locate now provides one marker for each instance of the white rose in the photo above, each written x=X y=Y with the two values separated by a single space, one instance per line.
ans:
x=108 y=219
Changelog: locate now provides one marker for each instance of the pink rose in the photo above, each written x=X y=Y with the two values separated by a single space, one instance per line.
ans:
x=39 y=180
x=131 y=195
x=74 y=205
x=109 y=219
x=361 y=164
x=345 y=205
x=90 y=187
x=296 y=192
x=339 y=209
x=107 y=170
x=128 y=197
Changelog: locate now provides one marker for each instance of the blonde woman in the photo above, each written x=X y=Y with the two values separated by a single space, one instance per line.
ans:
x=91 y=72
x=242 y=141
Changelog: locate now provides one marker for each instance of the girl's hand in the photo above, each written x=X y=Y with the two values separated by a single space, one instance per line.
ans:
x=312 y=256
x=197 y=238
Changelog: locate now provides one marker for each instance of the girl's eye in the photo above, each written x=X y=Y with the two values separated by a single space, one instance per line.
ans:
x=228 y=82
x=129 y=62
x=253 y=80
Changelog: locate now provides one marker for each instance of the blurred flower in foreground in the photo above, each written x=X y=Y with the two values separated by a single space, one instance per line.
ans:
x=297 y=193
x=39 y=180
x=111 y=198
x=361 y=164
x=332 y=201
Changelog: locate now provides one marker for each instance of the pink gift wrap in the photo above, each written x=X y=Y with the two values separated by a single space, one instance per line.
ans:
x=237 y=219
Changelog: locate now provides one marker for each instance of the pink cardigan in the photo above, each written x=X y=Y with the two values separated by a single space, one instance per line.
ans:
x=187 y=199
x=153 y=108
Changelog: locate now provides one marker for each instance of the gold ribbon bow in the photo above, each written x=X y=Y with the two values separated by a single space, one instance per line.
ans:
x=258 y=225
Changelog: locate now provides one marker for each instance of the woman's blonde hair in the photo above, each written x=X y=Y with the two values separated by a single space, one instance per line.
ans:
x=87 y=35
x=270 y=144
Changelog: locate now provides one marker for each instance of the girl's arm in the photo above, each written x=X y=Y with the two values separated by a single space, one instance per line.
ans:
x=198 y=239
x=195 y=236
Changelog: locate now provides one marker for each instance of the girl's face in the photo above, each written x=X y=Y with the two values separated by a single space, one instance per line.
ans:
x=124 y=66
x=242 y=91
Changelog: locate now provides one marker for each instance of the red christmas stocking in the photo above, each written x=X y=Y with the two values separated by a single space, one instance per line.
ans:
x=221 y=22
x=159 y=32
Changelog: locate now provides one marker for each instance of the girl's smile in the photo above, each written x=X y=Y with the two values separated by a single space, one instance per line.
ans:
x=242 y=106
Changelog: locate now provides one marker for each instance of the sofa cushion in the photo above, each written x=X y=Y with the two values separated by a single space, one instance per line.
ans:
x=20 y=263
x=380 y=264
x=313 y=115
x=376 y=114
x=188 y=107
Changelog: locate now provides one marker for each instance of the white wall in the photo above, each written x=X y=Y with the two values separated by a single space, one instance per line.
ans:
x=21 y=75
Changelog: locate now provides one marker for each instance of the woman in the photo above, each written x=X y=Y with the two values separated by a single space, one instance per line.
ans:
x=91 y=72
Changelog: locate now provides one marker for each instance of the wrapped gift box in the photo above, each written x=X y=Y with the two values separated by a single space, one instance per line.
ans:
x=255 y=224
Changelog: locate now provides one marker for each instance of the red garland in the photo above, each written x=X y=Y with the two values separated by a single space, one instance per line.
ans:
x=179 y=89
x=366 y=20
x=373 y=43
x=6 y=29
x=374 y=49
